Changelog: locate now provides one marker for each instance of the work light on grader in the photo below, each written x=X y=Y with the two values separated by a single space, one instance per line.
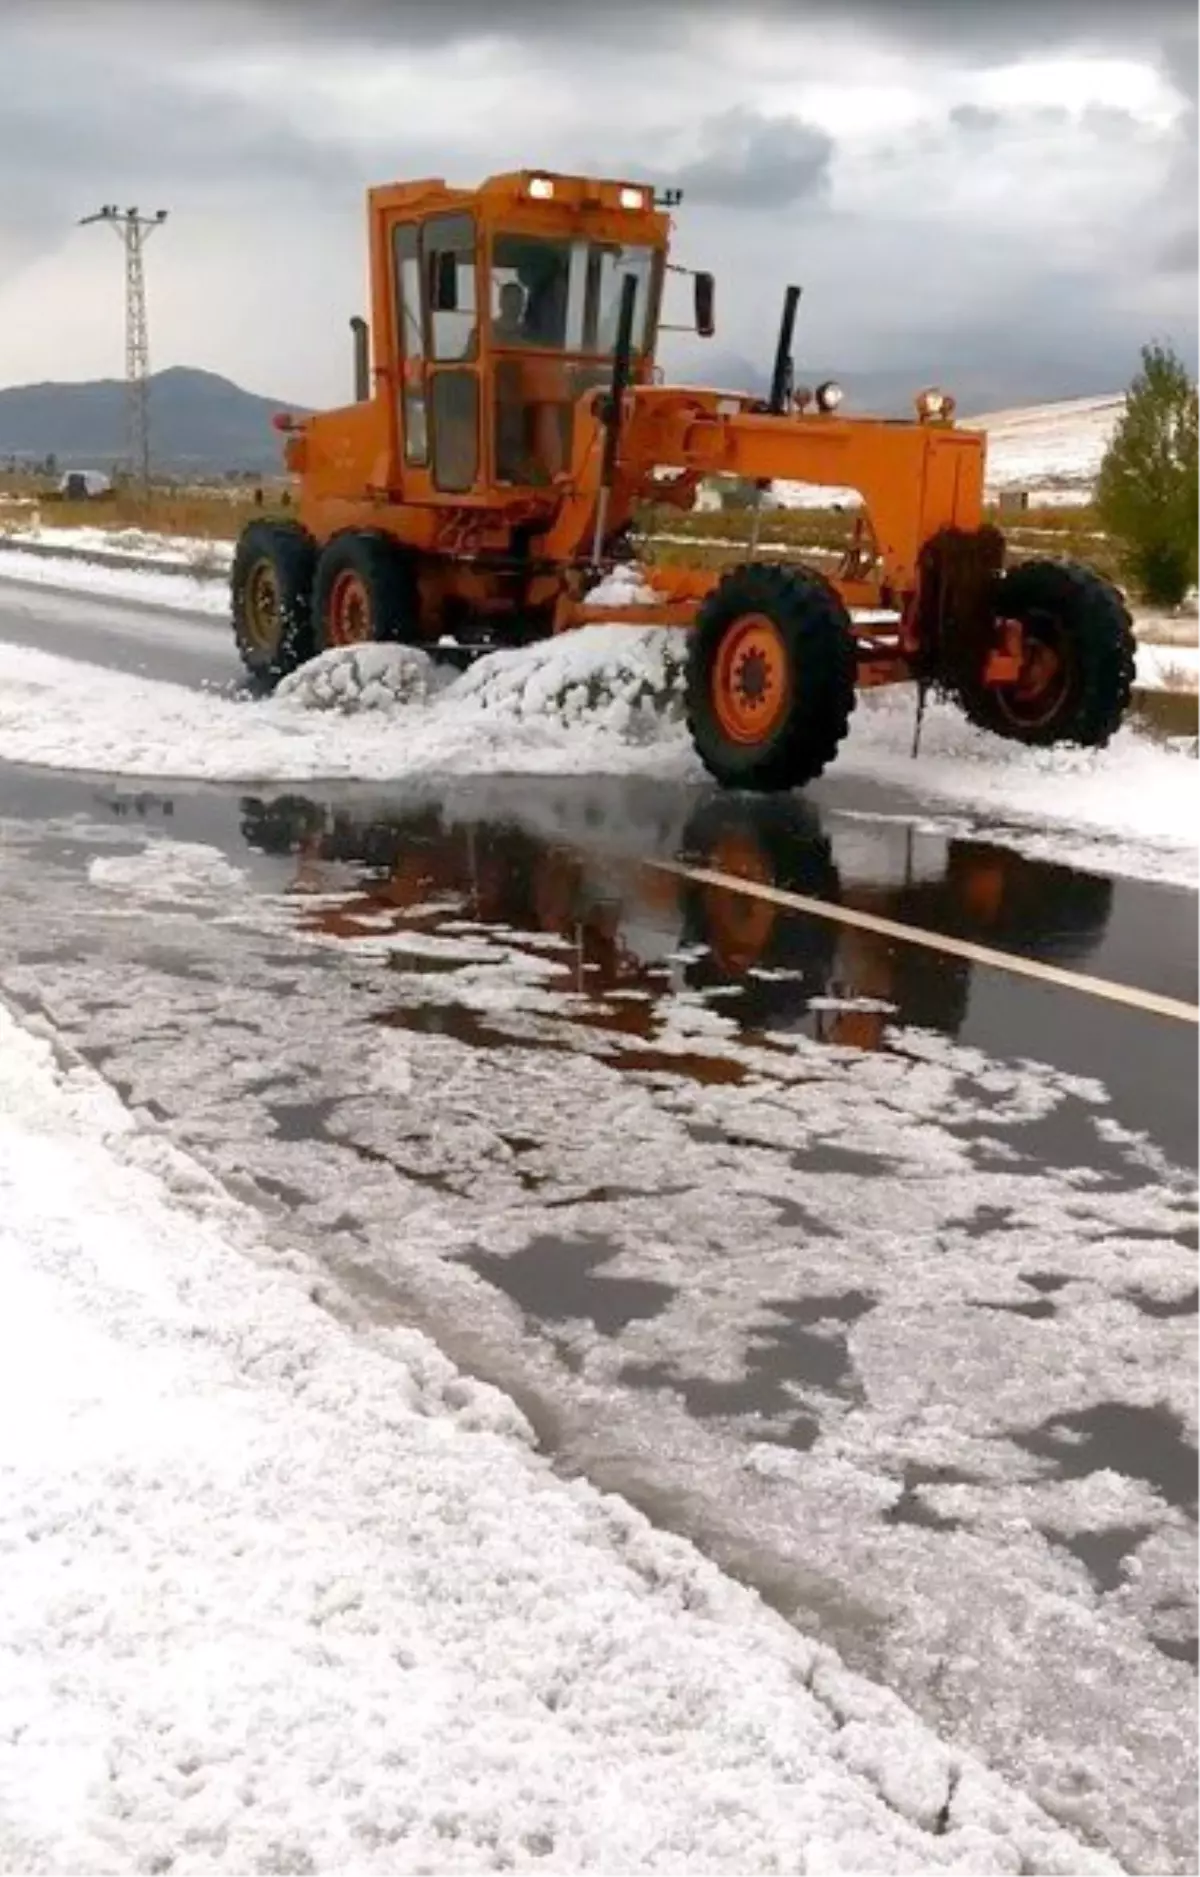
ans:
x=508 y=422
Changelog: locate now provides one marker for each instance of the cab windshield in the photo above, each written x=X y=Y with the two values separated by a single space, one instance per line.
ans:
x=565 y=296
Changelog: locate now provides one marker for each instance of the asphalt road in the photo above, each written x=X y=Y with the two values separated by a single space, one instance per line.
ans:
x=869 y=1268
x=182 y=648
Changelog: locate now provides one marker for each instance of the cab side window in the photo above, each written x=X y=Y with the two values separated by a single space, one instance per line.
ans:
x=448 y=244
x=410 y=324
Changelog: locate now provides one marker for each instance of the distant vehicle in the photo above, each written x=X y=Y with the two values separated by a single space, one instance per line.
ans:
x=80 y=485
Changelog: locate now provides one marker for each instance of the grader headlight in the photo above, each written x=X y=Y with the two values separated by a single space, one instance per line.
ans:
x=934 y=406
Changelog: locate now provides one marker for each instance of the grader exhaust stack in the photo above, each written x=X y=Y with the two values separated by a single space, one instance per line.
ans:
x=362 y=359
x=783 y=374
x=511 y=427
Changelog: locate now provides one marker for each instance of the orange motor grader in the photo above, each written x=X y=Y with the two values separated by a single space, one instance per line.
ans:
x=508 y=422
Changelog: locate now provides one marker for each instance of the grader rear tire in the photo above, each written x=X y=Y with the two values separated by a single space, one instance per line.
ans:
x=1079 y=666
x=271 y=595
x=770 y=677
x=365 y=593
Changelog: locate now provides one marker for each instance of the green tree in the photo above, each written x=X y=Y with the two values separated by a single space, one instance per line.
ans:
x=1148 y=494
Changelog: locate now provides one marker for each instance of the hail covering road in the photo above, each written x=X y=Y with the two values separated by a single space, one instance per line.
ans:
x=870 y=1269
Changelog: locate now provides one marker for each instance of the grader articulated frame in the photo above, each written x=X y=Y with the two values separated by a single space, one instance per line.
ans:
x=508 y=424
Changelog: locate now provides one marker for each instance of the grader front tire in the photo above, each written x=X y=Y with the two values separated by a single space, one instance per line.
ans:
x=770 y=678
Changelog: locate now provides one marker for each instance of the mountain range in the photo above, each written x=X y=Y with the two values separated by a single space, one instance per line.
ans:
x=200 y=423
x=203 y=424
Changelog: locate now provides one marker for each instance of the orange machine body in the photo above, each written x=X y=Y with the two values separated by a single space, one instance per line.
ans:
x=479 y=449
x=510 y=428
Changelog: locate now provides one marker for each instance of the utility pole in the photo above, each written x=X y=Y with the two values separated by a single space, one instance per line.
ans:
x=134 y=230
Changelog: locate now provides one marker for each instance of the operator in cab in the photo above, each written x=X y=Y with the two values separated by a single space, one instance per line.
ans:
x=508 y=327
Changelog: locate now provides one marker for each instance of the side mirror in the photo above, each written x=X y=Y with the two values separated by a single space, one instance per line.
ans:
x=705 y=292
x=443 y=281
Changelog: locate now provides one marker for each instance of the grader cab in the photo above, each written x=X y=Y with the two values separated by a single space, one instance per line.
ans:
x=509 y=422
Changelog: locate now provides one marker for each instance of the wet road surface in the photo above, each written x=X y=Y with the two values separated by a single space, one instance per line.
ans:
x=869 y=1268
x=192 y=649
x=872 y=1271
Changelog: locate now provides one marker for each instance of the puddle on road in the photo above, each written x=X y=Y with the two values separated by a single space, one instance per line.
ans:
x=618 y=934
x=1185 y=1305
x=1149 y=1444
x=797 y=1351
x=564 y=872
x=1102 y=1553
x=560 y=1280
x=466 y=1025
x=912 y=1509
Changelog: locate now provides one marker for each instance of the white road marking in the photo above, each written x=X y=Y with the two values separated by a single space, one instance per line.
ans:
x=1151 y=1001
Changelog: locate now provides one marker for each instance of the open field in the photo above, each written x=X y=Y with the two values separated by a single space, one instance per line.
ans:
x=208 y=514
x=712 y=538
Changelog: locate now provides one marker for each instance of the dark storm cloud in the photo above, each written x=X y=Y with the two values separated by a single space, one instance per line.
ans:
x=959 y=28
x=753 y=161
x=975 y=117
x=77 y=121
x=79 y=127
x=1105 y=121
x=1179 y=58
x=1013 y=28
x=950 y=22
x=1181 y=253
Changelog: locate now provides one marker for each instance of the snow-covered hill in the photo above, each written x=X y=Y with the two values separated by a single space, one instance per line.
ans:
x=1048 y=447
x=1052 y=450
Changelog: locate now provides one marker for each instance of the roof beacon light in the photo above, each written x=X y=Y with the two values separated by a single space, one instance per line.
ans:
x=541 y=187
x=829 y=395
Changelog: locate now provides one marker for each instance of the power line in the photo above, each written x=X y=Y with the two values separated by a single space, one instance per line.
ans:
x=134 y=230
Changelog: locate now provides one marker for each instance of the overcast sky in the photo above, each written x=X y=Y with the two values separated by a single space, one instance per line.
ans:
x=999 y=195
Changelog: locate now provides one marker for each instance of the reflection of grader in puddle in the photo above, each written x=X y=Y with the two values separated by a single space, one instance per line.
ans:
x=990 y=895
x=415 y=872
x=628 y=932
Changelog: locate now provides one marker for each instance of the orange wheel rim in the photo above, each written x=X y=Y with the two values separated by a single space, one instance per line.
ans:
x=983 y=892
x=739 y=925
x=554 y=894
x=751 y=680
x=349 y=610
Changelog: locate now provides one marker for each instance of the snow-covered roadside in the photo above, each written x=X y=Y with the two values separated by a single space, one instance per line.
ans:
x=193 y=590
x=602 y=701
x=194 y=578
x=375 y=714
x=172 y=550
x=1131 y=809
x=277 y=1594
x=1168 y=667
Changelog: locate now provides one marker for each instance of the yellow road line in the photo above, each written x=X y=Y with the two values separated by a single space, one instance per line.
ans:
x=1012 y=962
